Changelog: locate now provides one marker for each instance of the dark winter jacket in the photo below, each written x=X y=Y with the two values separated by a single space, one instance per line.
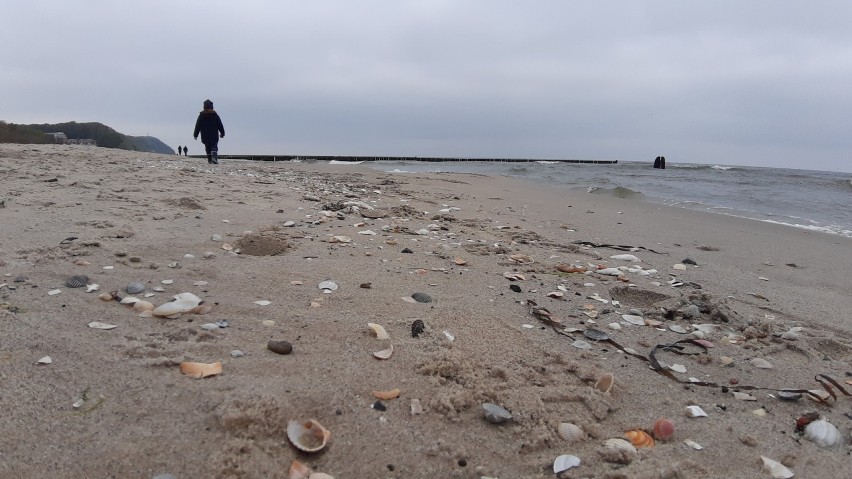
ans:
x=210 y=126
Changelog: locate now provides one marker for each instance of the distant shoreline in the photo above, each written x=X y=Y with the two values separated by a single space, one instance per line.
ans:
x=348 y=158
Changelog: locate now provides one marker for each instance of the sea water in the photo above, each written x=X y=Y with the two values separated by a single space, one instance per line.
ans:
x=815 y=200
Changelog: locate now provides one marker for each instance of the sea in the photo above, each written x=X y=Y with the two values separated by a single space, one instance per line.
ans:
x=812 y=200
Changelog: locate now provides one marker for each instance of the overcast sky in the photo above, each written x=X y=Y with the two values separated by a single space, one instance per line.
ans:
x=765 y=83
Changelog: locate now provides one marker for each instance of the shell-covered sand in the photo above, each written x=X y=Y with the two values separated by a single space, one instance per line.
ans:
x=254 y=240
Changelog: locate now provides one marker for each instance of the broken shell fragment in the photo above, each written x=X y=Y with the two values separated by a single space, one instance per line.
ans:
x=514 y=276
x=639 y=438
x=570 y=432
x=789 y=395
x=99 y=325
x=604 y=384
x=327 y=286
x=760 y=363
x=141 y=306
x=633 y=319
x=201 y=370
x=385 y=353
x=129 y=300
x=595 y=334
x=823 y=433
x=379 y=331
x=387 y=395
x=496 y=414
x=695 y=411
x=776 y=469
x=307 y=436
x=565 y=462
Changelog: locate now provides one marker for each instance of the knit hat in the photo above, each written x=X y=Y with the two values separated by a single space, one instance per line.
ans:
x=208 y=105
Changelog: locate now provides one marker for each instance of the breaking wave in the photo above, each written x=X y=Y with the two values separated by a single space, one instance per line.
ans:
x=618 y=192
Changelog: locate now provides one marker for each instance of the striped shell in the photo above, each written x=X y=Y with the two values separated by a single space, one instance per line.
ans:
x=77 y=281
x=640 y=438
x=134 y=288
x=570 y=432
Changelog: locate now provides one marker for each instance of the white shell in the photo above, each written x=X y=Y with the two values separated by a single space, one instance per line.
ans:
x=618 y=444
x=168 y=309
x=823 y=433
x=695 y=411
x=496 y=414
x=626 y=257
x=693 y=444
x=610 y=271
x=776 y=469
x=565 y=462
x=307 y=436
x=263 y=302
x=379 y=330
x=570 y=432
x=760 y=363
x=633 y=319
x=580 y=344
x=99 y=325
x=45 y=360
x=129 y=300
x=678 y=368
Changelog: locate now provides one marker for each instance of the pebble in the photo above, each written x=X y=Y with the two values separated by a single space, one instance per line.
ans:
x=406 y=250
x=210 y=326
x=237 y=353
x=279 y=347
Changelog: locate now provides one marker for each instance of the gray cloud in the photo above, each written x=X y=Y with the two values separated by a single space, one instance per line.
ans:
x=761 y=82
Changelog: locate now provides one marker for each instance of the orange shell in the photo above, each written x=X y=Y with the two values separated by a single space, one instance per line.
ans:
x=640 y=438
x=459 y=261
x=392 y=394
x=663 y=429
x=201 y=370
x=299 y=470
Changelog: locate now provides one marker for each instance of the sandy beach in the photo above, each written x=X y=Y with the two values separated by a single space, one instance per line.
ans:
x=254 y=241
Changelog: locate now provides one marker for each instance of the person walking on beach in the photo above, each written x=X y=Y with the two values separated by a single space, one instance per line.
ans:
x=209 y=125
x=185 y=150
x=178 y=150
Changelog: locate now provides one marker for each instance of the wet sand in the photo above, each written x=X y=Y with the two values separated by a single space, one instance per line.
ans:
x=113 y=403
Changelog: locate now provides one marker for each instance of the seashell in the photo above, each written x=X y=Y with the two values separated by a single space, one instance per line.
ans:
x=385 y=353
x=168 y=309
x=99 y=325
x=45 y=360
x=567 y=268
x=188 y=299
x=134 y=288
x=679 y=267
x=496 y=414
x=678 y=368
x=726 y=360
x=570 y=432
x=823 y=433
x=693 y=444
x=605 y=383
x=580 y=344
x=521 y=258
x=677 y=328
x=307 y=436
x=514 y=276
x=626 y=257
x=201 y=370
x=417 y=328
x=663 y=429
x=107 y=296
x=279 y=347
x=695 y=411
x=379 y=331
x=760 y=363
x=299 y=470
x=263 y=302
x=77 y=281
x=614 y=326
x=776 y=469
x=818 y=395
x=460 y=261
x=610 y=271
x=416 y=407
x=387 y=395
x=640 y=438
x=595 y=334
x=565 y=462
x=92 y=287
x=327 y=286
x=633 y=319
x=743 y=396
x=789 y=395
x=342 y=239
x=129 y=300
x=620 y=445
x=201 y=309
x=422 y=297
x=556 y=294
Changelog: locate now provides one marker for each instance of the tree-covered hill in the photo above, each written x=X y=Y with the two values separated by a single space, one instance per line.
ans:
x=102 y=134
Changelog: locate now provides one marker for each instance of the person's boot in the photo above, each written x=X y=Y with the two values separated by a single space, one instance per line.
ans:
x=215 y=157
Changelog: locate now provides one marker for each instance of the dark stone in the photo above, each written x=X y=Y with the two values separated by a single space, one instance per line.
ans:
x=379 y=406
x=689 y=261
x=515 y=288
x=279 y=347
x=417 y=328
x=407 y=250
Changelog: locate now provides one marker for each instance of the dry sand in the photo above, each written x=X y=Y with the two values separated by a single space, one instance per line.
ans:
x=137 y=416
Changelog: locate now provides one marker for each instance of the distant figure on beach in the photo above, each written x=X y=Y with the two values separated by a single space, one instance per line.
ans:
x=185 y=150
x=660 y=162
x=210 y=126
x=178 y=150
